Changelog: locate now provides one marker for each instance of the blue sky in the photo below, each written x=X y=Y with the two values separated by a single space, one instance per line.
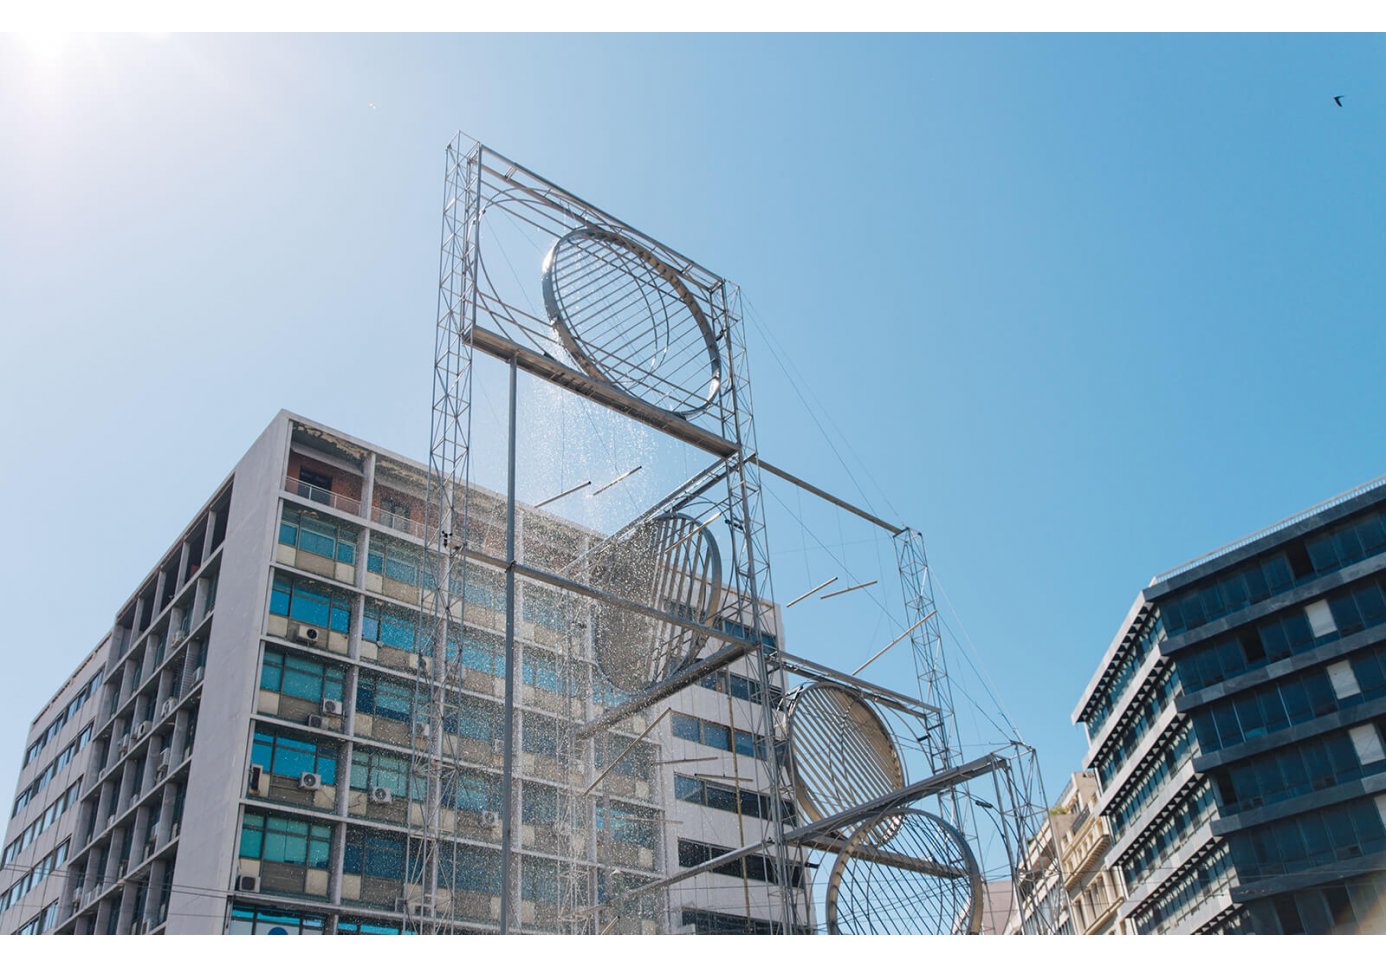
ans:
x=1080 y=307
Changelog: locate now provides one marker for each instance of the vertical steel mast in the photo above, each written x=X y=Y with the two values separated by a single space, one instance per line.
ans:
x=429 y=854
x=751 y=567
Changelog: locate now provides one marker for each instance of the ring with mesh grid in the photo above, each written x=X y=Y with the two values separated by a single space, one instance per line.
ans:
x=627 y=317
x=670 y=564
x=925 y=881
x=841 y=753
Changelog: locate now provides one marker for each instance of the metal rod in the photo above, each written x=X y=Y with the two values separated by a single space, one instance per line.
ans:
x=831 y=499
x=915 y=791
x=894 y=642
x=816 y=588
x=668 y=687
x=508 y=754
x=618 y=480
x=633 y=744
x=815 y=670
x=711 y=518
x=844 y=591
x=685 y=759
x=571 y=490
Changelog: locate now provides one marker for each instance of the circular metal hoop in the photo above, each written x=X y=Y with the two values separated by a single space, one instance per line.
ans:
x=627 y=317
x=925 y=881
x=841 y=753
x=671 y=564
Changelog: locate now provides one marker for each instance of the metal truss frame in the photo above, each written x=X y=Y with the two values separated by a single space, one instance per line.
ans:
x=731 y=487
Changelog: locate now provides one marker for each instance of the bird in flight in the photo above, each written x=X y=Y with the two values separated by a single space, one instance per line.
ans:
x=1338 y=100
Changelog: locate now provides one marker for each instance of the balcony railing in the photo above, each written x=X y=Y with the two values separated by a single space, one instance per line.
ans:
x=321 y=495
x=398 y=522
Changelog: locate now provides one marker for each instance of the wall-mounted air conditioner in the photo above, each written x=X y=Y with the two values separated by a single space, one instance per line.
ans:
x=247 y=884
x=309 y=634
x=381 y=795
x=309 y=781
x=331 y=707
x=490 y=818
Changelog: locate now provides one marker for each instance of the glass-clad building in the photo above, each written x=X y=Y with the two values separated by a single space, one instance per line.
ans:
x=1236 y=729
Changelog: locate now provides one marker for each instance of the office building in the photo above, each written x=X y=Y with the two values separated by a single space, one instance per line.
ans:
x=240 y=752
x=1235 y=728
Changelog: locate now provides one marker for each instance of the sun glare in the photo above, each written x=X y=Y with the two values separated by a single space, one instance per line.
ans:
x=44 y=44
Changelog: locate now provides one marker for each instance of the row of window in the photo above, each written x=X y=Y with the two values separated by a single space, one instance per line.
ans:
x=1291 y=771
x=1344 y=908
x=756 y=867
x=384 y=696
x=318 y=535
x=716 y=922
x=1288 y=701
x=718 y=735
x=64 y=716
x=1150 y=782
x=1188 y=890
x=1137 y=720
x=314 y=604
x=719 y=797
x=33 y=877
x=45 y=921
x=42 y=822
x=381 y=855
x=1150 y=636
x=31 y=792
x=1164 y=838
x=738 y=686
x=258 y=920
x=1297 y=562
x=1285 y=634
x=1325 y=836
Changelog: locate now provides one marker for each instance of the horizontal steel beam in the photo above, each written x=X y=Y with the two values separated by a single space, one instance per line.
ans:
x=814 y=670
x=784 y=475
x=887 y=858
x=938 y=783
x=546 y=367
x=665 y=689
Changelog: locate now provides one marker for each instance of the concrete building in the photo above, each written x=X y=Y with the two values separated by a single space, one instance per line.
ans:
x=1093 y=889
x=1235 y=728
x=235 y=755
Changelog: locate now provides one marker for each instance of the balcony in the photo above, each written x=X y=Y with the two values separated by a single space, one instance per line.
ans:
x=322 y=495
x=397 y=521
x=1084 y=848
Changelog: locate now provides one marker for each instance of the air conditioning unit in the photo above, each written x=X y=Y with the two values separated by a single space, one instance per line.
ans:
x=121 y=868
x=309 y=781
x=419 y=662
x=381 y=795
x=142 y=730
x=165 y=758
x=173 y=832
x=498 y=745
x=88 y=898
x=420 y=730
x=256 y=774
x=197 y=674
x=246 y=884
x=490 y=818
x=125 y=744
x=178 y=636
x=146 y=926
x=331 y=707
x=166 y=708
x=315 y=721
x=309 y=633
